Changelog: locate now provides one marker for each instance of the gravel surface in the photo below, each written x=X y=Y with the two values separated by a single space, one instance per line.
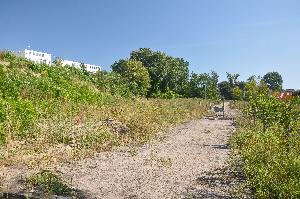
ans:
x=181 y=165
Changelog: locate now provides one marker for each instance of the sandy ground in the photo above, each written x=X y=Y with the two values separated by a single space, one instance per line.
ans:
x=188 y=162
x=184 y=164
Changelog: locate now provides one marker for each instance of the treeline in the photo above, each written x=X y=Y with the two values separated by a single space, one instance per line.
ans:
x=154 y=74
x=157 y=75
x=233 y=89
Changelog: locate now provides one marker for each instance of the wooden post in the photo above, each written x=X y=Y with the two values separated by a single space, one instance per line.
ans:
x=223 y=108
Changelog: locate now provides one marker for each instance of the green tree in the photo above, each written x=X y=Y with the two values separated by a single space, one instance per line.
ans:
x=134 y=74
x=255 y=86
x=226 y=88
x=273 y=80
x=204 y=85
x=232 y=79
x=166 y=73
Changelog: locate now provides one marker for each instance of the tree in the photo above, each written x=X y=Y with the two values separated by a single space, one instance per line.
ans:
x=204 y=85
x=254 y=78
x=166 y=73
x=134 y=74
x=273 y=80
x=232 y=79
x=227 y=88
x=255 y=86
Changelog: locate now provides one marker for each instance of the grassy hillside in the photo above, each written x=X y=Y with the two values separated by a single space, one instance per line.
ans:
x=56 y=113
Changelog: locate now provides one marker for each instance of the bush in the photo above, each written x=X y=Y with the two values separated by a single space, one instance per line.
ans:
x=169 y=94
x=270 y=147
x=50 y=183
x=24 y=117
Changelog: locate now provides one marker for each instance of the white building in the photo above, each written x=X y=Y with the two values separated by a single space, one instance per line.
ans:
x=36 y=56
x=41 y=57
x=89 y=67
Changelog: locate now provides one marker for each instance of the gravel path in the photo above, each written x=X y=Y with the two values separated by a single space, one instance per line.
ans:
x=176 y=166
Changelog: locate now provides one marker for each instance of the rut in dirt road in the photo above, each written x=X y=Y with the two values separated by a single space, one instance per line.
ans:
x=175 y=167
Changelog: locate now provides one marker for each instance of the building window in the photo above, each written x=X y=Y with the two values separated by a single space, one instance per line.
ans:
x=33 y=53
x=29 y=53
x=42 y=55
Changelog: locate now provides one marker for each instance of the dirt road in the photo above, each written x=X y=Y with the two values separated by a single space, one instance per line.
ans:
x=181 y=165
x=187 y=162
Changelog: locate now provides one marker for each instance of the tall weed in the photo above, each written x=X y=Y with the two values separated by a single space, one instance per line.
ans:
x=270 y=147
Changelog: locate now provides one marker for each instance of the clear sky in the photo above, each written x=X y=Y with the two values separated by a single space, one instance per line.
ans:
x=239 y=36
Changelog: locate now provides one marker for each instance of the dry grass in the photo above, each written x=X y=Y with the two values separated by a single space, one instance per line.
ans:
x=56 y=114
x=76 y=131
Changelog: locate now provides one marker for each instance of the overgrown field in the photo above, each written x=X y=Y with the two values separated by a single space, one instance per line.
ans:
x=268 y=146
x=51 y=114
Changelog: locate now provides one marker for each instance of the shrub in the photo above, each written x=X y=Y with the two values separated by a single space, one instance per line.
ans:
x=49 y=182
x=270 y=147
x=24 y=117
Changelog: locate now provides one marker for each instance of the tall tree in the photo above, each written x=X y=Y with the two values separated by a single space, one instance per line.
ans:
x=231 y=88
x=134 y=74
x=273 y=80
x=204 y=85
x=166 y=73
x=232 y=79
x=225 y=90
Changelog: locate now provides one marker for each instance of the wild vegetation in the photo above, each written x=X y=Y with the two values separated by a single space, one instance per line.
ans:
x=56 y=113
x=50 y=183
x=268 y=146
x=53 y=113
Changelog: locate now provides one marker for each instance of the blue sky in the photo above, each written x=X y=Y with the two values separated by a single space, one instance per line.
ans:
x=239 y=36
